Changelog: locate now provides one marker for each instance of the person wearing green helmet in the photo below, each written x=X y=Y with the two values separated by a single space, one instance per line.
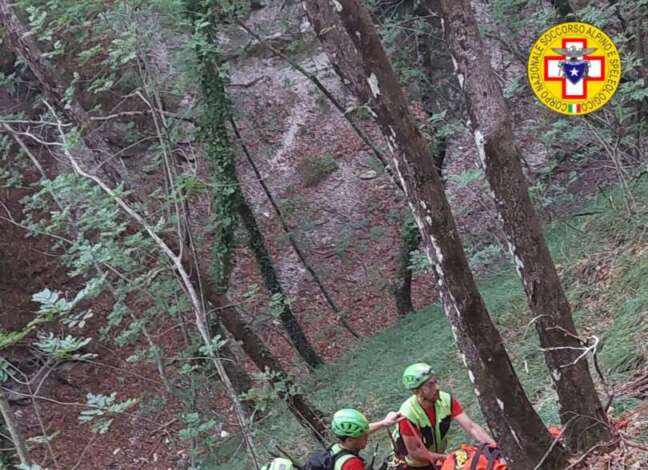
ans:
x=352 y=430
x=421 y=437
x=279 y=464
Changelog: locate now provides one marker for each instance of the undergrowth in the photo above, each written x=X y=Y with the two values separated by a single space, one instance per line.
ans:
x=602 y=255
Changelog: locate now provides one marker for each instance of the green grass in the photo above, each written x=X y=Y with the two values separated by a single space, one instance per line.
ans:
x=614 y=308
x=314 y=170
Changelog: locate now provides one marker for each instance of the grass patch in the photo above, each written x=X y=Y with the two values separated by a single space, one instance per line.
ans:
x=603 y=260
x=315 y=169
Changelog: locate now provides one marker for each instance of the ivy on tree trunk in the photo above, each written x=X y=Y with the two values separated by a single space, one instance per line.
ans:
x=228 y=201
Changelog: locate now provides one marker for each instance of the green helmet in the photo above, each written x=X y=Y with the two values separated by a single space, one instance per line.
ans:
x=279 y=464
x=349 y=423
x=416 y=375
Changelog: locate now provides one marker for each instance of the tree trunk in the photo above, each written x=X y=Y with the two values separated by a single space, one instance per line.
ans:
x=98 y=155
x=16 y=437
x=582 y=416
x=271 y=279
x=291 y=237
x=519 y=431
x=305 y=413
x=241 y=380
x=410 y=240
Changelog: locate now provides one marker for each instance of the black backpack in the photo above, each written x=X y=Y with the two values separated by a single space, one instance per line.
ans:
x=324 y=459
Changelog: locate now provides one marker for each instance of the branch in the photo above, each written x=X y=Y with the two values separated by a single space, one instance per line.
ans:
x=197 y=306
x=16 y=437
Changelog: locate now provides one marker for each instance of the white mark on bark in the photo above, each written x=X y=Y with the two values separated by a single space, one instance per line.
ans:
x=500 y=403
x=373 y=84
x=517 y=439
x=471 y=376
x=479 y=143
x=337 y=5
x=428 y=219
x=555 y=373
x=476 y=392
x=371 y=111
x=423 y=205
x=391 y=140
x=437 y=251
x=358 y=35
x=519 y=265
x=402 y=180
x=460 y=76
x=463 y=359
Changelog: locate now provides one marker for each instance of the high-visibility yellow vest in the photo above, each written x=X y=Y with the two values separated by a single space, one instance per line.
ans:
x=433 y=436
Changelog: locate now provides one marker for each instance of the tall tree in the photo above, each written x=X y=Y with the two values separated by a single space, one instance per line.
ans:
x=582 y=416
x=229 y=201
x=522 y=436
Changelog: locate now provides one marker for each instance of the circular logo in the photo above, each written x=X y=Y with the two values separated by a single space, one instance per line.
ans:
x=574 y=68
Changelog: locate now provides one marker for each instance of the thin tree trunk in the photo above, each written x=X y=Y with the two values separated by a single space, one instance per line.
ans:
x=410 y=239
x=241 y=380
x=271 y=279
x=305 y=413
x=582 y=416
x=97 y=155
x=519 y=431
x=16 y=436
x=291 y=237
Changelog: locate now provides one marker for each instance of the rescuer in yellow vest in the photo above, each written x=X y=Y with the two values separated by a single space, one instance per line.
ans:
x=421 y=437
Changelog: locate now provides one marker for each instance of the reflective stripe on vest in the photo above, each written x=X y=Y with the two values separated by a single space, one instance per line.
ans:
x=336 y=449
x=434 y=438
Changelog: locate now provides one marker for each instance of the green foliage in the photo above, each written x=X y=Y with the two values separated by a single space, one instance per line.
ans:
x=271 y=391
x=195 y=427
x=210 y=350
x=102 y=410
x=485 y=257
x=63 y=348
x=468 y=177
x=315 y=169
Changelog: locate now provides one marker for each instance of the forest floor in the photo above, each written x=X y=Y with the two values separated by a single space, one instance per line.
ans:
x=349 y=226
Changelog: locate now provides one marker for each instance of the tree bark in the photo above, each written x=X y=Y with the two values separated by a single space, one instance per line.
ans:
x=582 y=416
x=98 y=155
x=16 y=436
x=241 y=380
x=519 y=431
x=410 y=240
x=305 y=413
x=271 y=279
